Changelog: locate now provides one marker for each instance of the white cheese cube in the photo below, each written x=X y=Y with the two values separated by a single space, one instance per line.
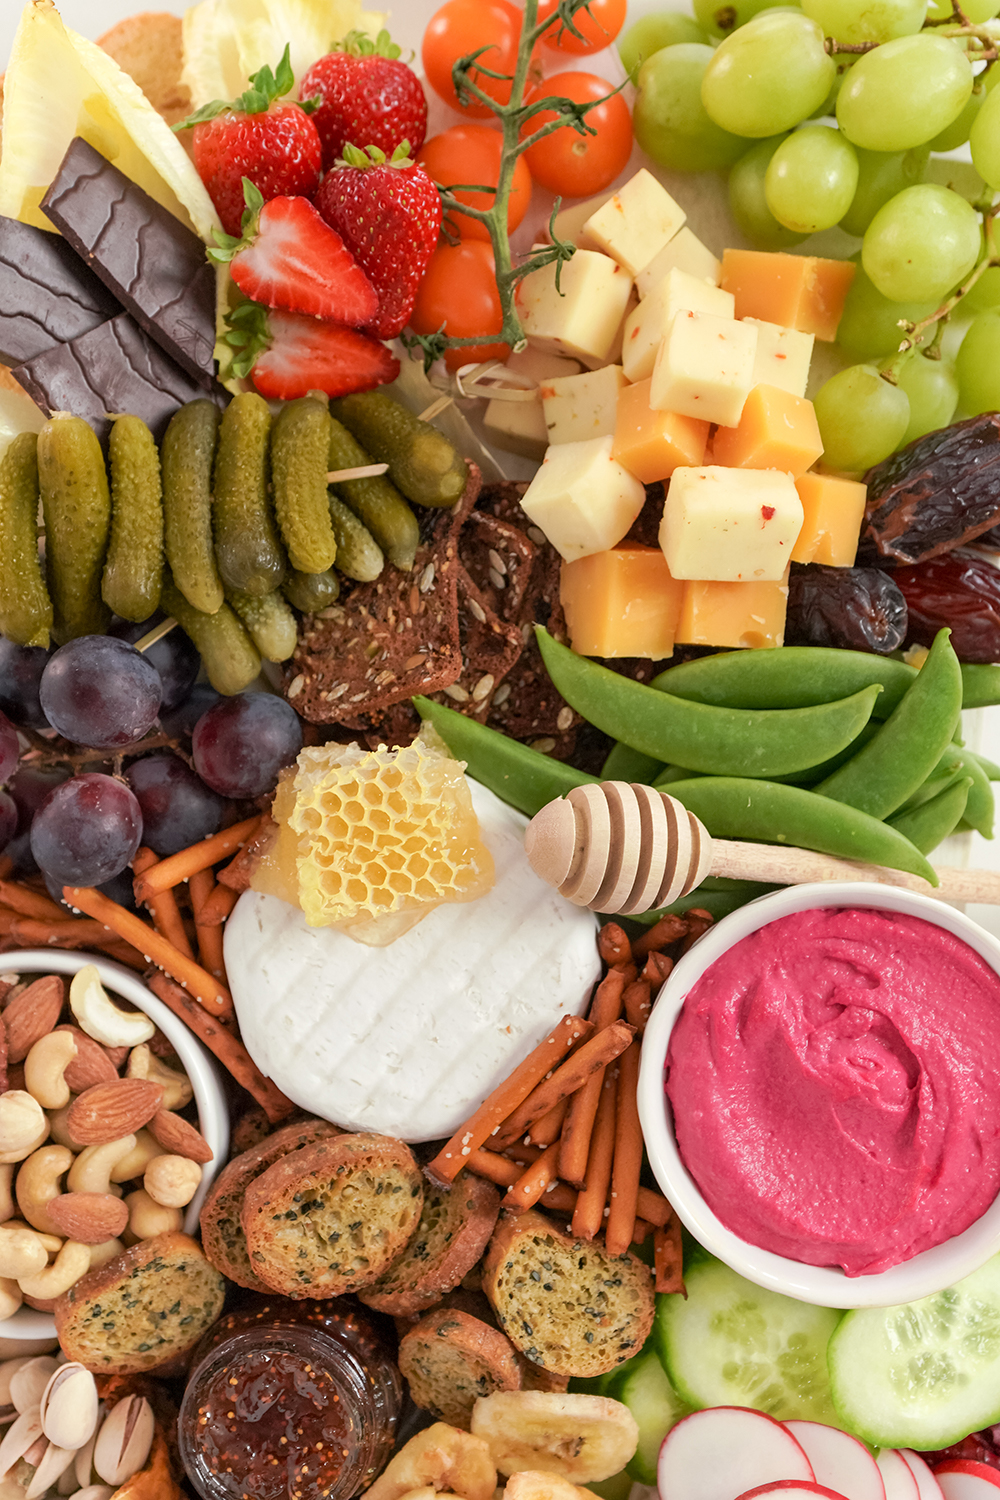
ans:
x=687 y=253
x=569 y=222
x=578 y=407
x=782 y=358
x=582 y=498
x=517 y=427
x=582 y=317
x=539 y=365
x=704 y=368
x=614 y=354
x=647 y=326
x=730 y=525
x=636 y=222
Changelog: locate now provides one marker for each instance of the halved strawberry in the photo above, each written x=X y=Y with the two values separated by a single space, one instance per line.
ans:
x=287 y=355
x=289 y=257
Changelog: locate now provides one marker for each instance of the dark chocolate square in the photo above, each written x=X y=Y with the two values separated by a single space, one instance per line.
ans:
x=47 y=294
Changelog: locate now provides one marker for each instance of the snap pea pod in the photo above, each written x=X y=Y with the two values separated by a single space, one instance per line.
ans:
x=989 y=766
x=625 y=764
x=979 y=809
x=520 y=776
x=949 y=769
x=736 y=807
x=721 y=741
x=980 y=684
x=906 y=749
x=927 y=825
x=794 y=677
x=814 y=774
x=715 y=895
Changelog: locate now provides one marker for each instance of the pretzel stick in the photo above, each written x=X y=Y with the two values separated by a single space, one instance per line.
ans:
x=504 y=1173
x=613 y=944
x=200 y=888
x=668 y=1257
x=201 y=856
x=627 y=1157
x=530 y=1186
x=549 y=1127
x=30 y=903
x=209 y=993
x=6 y=866
x=579 y=1124
x=72 y=932
x=513 y=1091
x=162 y=906
x=595 y=1054
x=239 y=870
x=588 y=1216
x=218 y=906
x=643 y=1229
x=638 y=1002
x=657 y=969
x=654 y=1207
x=667 y=930
x=699 y=921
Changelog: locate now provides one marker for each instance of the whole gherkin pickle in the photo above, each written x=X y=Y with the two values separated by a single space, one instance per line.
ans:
x=375 y=500
x=269 y=621
x=229 y=656
x=25 y=606
x=133 y=573
x=358 y=554
x=300 y=443
x=422 y=462
x=247 y=547
x=311 y=592
x=76 y=506
x=186 y=456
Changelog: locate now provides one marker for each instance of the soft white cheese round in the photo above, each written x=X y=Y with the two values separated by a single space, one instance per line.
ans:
x=407 y=1040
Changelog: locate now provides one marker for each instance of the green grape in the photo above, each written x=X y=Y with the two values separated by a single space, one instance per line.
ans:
x=881 y=175
x=669 y=119
x=957 y=133
x=866 y=20
x=665 y=28
x=861 y=418
x=984 y=138
x=720 y=17
x=985 y=295
x=921 y=244
x=978 y=365
x=811 y=179
x=769 y=75
x=747 y=201
x=931 y=388
x=904 y=93
x=977 y=11
x=869 y=325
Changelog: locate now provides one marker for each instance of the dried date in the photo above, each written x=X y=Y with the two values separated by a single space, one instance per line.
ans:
x=961 y=590
x=859 y=609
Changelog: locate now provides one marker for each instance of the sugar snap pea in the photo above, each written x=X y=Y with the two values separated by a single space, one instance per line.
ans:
x=721 y=741
x=622 y=763
x=715 y=895
x=927 y=825
x=979 y=809
x=989 y=766
x=980 y=684
x=794 y=677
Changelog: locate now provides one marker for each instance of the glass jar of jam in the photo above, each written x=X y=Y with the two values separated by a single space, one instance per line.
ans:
x=289 y=1401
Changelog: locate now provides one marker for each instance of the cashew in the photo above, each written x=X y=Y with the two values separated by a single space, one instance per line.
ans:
x=23 y=1125
x=72 y=1262
x=51 y=1243
x=21 y=1252
x=105 y=1251
x=6 y=1196
x=146 y=1217
x=10 y=1297
x=172 y=1181
x=91 y=1172
x=44 y=1067
x=39 y=1181
x=138 y=1159
x=100 y=1018
x=57 y=1126
x=177 y=1090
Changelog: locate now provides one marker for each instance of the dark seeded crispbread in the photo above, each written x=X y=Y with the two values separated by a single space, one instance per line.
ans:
x=566 y=1303
x=221 y=1231
x=142 y=1309
x=454 y=1229
x=333 y=1216
x=450 y=1359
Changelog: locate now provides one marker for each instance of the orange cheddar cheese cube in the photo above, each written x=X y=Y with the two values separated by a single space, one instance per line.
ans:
x=833 y=510
x=776 y=431
x=797 y=291
x=621 y=603
x=652 y=444
x=733 y=614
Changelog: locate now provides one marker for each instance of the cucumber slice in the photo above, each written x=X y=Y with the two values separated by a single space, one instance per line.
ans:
x=735 y=1344
x=642 y=1384
x=924 y=1374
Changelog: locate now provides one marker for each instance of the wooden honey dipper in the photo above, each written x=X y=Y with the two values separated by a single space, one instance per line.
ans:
x=622 y=848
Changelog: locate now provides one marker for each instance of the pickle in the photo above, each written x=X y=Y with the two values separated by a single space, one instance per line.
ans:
x=310 y=592
x=76 y=505
x=375 y=501
x=133 y=572
x=229 y=656
x=186 y=455
x=269 y=621
x=25 y=606
x=300 y=443
x=247 y=548
x=359 y=556
x=422 y=462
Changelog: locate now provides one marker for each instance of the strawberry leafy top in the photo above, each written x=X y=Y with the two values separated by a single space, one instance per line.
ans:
x=359 y=44
x=374 y=156
x=248 y=336
x=265 y=87
x=228 y=245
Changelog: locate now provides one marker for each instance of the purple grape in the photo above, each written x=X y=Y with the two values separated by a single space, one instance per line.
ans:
x=21 y=670
x=29 y=787
x=8 y=819
x=87 y=830
x=178 y=808
x=100 y=692
x=241 y=744
x=179 y=722
x=120 y=888
x=10 y=749
x=174 y=656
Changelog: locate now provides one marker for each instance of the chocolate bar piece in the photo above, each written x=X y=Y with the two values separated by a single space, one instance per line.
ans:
x=47 y=294
x=114 y=368
x=154 y=265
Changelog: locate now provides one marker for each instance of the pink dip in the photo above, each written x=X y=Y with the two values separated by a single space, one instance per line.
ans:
x=835 y=1083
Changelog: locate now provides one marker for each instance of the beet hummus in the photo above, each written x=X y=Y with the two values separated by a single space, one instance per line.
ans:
x=835 y=1084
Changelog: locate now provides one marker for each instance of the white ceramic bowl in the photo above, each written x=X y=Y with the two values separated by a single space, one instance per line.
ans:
x=924 y=1274
x=200 y=1066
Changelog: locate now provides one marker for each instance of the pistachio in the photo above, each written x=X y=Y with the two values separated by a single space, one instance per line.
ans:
x=19 y=1438
x=54 y=1463
x=7 y=1369
x=29 y=1382
x=124 y=1440
x=83 y=1463
x=94 y=1492
x=69 y=1407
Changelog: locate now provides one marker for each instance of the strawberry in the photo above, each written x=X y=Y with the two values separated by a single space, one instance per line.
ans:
x=275 y=145
x=287 y=355
x=289 y=258
x=388 y=214
x=365 y=95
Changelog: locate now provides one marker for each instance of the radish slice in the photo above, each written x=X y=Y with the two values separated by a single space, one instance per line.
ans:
x=927 y=1485
x=839 y=1461
x=722 y=1452
x=897 y=1476
x=964 y=1479
x=791 y=1489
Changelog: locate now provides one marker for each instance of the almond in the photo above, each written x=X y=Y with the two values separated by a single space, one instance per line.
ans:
x=108 y=1111
x=178 y=1138
x=90 y=1218
x=33 y=1014
x=90 y=1066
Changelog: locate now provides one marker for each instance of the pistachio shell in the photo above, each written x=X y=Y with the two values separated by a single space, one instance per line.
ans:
x=18 y=1439
x=28 y=1383
x=83 y=1464
x=9 y=1368
x=124 y=1440
x=92 y=1492
x=55 y=1462
x=69 y=1407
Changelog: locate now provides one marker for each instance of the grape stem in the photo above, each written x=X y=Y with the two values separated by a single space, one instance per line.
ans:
x=45 y=754
x=912 y=330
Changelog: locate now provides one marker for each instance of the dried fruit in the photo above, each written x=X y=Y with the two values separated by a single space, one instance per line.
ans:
x=961 y=590
x=859 y=609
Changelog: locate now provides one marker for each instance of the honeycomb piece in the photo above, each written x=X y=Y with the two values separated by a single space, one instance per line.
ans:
x=372 y=840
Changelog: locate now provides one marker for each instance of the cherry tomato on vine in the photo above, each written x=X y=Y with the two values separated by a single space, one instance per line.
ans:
x=464 y=26
x=578 y=165
x=598 y=24
x=459 y=292
x=471 y=153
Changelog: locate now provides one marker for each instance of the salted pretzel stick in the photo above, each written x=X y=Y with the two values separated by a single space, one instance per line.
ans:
x=201 y=856
x=643 y=1229
x=218 y=906
x=30 y=903
x=533 y=1182
x=638 y=1002
x=699 y=921
x=200 y=888
x=588 y=1216
x=162 y=905
x=595 y=1054
x=513 y=1091
x=504 y=1173
x=628 y=1156
x=6 y=866
x=657 y=969
x=237 y=873
x=549 y=1127
x=667 y=930
x=605 y=1009
x=668 y=1257
x=654 y=1207
x=613 y=944
x=71 y=932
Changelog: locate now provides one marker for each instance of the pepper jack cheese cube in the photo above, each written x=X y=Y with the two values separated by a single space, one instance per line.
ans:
x=519 y=426
x=577 y=407
x=730 y=525
x=636 y=222
x=775 y=431
x=704 y=368
x=833 y=510
x=582 y=498
x=783 y=356
x=652 y=444
x=621 y=603
x=647 y=326
x=797 y=291
x=733 y=614
x=569 y=222
x=685 y=252
x=583 y=317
